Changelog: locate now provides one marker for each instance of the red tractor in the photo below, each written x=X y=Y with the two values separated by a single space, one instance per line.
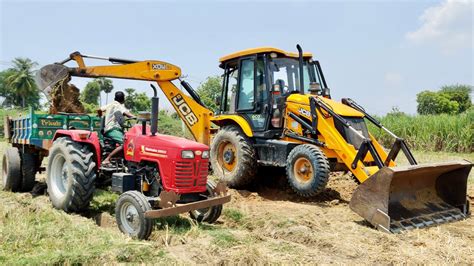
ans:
x=158 y=175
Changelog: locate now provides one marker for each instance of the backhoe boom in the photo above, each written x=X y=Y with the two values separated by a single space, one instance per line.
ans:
x=190 y=108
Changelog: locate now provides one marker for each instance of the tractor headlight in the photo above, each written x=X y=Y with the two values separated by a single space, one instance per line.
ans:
x=187 y=154
x=205 y=155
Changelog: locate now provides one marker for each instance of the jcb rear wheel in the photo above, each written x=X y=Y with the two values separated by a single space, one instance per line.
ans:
x=233 y=157
x=307 y=170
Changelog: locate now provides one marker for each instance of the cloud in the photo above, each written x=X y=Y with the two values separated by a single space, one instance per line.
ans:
x=448 y=25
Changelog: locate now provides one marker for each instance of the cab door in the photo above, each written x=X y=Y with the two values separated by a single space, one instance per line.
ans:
x=252 y=93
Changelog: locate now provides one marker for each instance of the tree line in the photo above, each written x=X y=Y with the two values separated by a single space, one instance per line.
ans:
x=19 y=89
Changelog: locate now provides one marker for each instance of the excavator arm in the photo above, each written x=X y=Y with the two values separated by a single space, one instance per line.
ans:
x=190 y=108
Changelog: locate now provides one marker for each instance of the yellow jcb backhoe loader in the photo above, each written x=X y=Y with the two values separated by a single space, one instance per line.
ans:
x=276 y=110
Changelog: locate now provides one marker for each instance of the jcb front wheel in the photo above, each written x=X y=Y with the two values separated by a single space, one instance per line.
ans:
x=307 y=170
x=233 y=157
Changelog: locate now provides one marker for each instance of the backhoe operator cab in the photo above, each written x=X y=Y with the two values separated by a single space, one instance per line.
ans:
x=256 y=83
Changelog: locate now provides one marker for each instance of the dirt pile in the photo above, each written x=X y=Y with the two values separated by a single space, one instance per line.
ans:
x=65 y=98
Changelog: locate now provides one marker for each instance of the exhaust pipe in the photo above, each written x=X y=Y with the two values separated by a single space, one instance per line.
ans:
x=300 y=61
x=154 y=111
x=408 y=197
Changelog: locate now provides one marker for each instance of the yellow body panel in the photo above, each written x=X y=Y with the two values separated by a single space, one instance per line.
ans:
x=259 y=50
x=337 y=107
x=221 y=120
x=336 y=146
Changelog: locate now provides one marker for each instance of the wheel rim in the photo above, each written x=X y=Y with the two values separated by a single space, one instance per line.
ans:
x=203 y=211
x=226 y=155
x=59 y=175
x=4 y=171
x=129 y=218
x=303 y=170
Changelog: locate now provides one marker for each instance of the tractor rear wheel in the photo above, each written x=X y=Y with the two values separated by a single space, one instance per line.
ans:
x=233 y=157
x=130 y=215
x=211 y=214
x=71 y=174
x=11 y=170
x=307 y=170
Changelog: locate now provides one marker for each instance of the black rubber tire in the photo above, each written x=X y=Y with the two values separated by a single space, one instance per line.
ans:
x=246 y=165
x=29 y=167
x=320 y=174
x=78 y=170
x=141 y=205
x=211 y=214
x=11 y=170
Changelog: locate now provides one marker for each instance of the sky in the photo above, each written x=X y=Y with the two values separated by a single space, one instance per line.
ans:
x=379 y=53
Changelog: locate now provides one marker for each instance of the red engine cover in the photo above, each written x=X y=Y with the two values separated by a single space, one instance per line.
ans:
x=177 y=174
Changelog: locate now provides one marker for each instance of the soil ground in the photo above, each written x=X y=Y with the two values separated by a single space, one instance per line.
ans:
x=266 y=223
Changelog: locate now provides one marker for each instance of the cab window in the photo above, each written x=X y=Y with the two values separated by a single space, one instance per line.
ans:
x=246 y=85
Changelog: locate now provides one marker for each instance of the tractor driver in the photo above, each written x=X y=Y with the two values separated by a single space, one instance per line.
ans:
x=113 y=123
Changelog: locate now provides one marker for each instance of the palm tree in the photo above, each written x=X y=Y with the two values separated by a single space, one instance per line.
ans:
x=106 y=86
x=21 y=80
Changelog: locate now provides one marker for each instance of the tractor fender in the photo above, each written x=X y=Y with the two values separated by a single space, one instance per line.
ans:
x=223 y=120
x=77 y=135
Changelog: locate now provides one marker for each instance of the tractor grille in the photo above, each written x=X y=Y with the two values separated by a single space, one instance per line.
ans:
x=191 y=173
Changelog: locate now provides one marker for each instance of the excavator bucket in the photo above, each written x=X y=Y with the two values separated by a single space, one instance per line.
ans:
x=408 y=197
x=51 y=75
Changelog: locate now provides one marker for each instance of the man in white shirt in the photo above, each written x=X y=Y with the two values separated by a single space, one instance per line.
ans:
x=113 y=129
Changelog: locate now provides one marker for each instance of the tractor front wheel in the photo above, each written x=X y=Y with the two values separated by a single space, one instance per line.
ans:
x=307 y=170
x=233 y=157
x=130 y=215
x=210 y=214
x=70 y=175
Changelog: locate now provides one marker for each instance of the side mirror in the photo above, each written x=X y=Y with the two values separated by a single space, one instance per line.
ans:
x=326 y=93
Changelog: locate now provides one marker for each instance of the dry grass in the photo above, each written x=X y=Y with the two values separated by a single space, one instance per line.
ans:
x=268 y=224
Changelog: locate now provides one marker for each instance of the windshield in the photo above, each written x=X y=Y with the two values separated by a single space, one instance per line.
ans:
x=285 y=71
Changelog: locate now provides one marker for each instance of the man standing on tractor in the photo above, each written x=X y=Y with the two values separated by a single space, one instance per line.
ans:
x=113 y=129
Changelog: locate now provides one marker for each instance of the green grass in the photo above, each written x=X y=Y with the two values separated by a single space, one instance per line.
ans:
x=234 y=215
x=448 y=133
x=223 y=238
x=32 y=232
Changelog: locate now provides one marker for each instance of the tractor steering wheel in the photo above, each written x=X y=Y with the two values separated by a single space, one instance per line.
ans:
x=127 y=123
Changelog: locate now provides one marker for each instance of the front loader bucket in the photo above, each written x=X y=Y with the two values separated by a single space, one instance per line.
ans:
x=408 y=197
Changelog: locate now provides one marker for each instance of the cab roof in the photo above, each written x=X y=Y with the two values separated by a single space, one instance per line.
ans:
x=259 y=50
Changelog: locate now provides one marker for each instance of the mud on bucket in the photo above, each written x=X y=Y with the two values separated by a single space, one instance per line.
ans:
x=409 y=197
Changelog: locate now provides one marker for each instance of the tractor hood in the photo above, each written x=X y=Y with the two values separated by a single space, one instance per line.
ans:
x=338 y=107
x=164 y=141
